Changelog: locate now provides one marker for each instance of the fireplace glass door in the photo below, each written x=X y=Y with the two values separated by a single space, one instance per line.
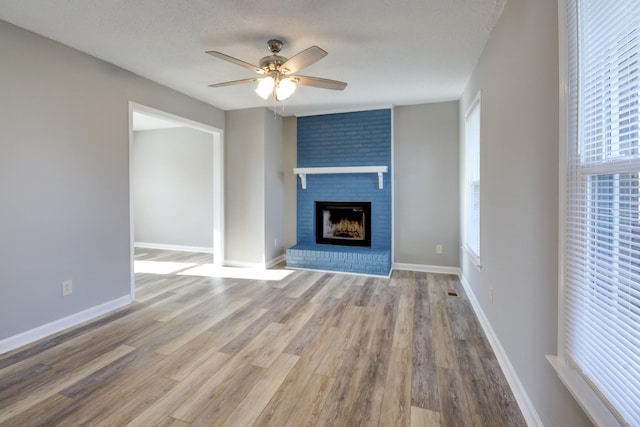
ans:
x=343 y=223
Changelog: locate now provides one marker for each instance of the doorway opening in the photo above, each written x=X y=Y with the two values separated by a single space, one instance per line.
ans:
x=203 y=234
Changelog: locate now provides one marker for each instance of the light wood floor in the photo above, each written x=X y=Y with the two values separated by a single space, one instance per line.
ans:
x=309 y=349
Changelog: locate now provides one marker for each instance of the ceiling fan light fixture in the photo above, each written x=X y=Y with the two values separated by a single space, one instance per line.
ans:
x=285 y=89
x=265 y=87
x=279 y=78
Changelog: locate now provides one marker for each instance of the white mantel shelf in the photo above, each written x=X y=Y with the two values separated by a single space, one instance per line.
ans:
x=303 y=172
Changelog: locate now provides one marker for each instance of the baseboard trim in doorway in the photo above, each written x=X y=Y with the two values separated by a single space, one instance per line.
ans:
x=277 y=260
x=179 y=248
x=258 y=265
x=56 y=326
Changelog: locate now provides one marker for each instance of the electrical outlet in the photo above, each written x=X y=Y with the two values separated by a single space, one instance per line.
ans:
x=439 y=249
x=275 y=242
x=491 y=294
x=67 y=288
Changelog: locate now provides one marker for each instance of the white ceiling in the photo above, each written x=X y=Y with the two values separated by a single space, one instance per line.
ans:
x=390 y=52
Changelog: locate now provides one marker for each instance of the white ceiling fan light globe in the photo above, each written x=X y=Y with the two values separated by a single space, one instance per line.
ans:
x=285 y=89
x=265 y=87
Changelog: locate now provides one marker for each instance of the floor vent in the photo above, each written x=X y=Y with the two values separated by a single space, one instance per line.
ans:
x=452 y=293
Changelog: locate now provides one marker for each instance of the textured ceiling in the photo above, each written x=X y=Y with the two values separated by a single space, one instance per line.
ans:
x=391 y=52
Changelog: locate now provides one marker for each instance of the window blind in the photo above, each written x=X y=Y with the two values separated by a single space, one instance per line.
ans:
x=472 y=178
x=602 y=222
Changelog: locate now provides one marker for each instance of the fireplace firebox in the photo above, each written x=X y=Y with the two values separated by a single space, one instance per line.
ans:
x=343 y=223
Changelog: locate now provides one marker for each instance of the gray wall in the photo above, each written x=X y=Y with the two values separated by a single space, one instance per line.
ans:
x=518 y=76
x=244 y=186
x=290 y=146
x=426 y=184
x=274 y=186
x=254 y=192
x=172 y=179
x=64 y=168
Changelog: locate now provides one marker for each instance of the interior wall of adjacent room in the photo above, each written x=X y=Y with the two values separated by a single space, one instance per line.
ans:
x=518 y=76
x=426 y=205
x=172 y=179
x=64 y=176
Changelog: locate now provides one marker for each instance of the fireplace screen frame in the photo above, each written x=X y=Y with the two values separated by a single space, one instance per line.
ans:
x=320 y=206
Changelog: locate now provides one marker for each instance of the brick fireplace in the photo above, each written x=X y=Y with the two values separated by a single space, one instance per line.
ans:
x=336 y=141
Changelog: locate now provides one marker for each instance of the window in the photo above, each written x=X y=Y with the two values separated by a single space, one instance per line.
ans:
x=600 y=280
x=472 y=180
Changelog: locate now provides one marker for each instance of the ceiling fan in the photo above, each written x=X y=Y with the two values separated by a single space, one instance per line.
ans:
x=279 y=79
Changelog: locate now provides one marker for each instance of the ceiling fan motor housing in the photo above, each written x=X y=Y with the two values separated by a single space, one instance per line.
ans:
x=272 y=62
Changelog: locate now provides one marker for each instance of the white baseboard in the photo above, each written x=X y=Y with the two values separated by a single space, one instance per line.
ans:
x=179 y=248
x=43 y=331
x=243 y=264
x=258 y=265
x=439 y=269
x=277 y=260
x=526 y=405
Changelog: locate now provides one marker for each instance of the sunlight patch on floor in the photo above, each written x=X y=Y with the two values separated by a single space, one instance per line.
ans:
x=209 y=270
x=160 y=267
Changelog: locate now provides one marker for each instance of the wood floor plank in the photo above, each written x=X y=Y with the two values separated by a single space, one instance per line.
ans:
x=396 y=402
x=200 y=327
x=403 y=330
x=219 y=408
x=241 y=340
x=216 y=385
x=454 y=406
x=171 y=422
x=425 y=418
x=366 y=405
x=326 y=290
x=162 y=286
x=311 y=329
x=497 y=392
x=198 y=351
x=270 y=353
x=348 y=373
x=348 y=334
x=314 y=348
x=424 y=390
x=309 y=405
x=298 y=288
x=441 y=333
x=257 y=399
x=344 y=283
x=189 y=386
x=56 y=385
x=40 y=413
x=99 y=410
x=21 y=354
x=277 y=412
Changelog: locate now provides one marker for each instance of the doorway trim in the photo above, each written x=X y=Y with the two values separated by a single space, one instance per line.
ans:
x=218 y=180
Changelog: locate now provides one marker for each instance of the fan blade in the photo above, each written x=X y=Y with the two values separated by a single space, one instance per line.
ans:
x=318 y=82
x=235 y=61
x=235 y=82
x=303 y=59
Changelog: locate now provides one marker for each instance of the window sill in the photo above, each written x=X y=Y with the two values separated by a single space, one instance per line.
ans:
x=588 y=400
x=475 y=259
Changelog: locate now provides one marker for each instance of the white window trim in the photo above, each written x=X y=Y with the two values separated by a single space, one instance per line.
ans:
x=589 y=401
x=474 y=257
